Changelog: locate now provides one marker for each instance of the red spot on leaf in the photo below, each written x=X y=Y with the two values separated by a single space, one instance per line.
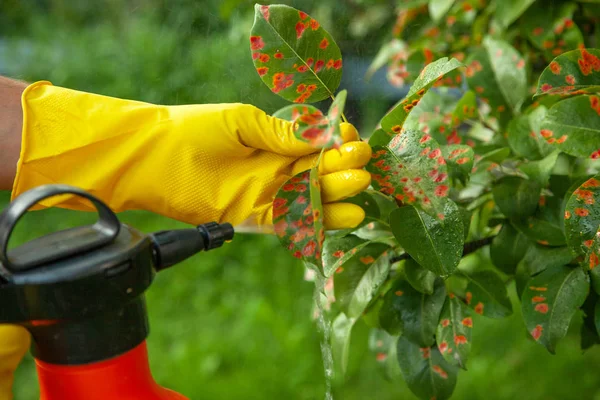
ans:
x=438 y=370
x=593 y=260
x=445 y=322
x=546 y=133
x=538 y=31
x=324 y=43
x=262 y=70
x=538 y=289
x=555 y=67
x=582 y=212
x=398 y=292
x=300 y=27
x=443 y=347
x=538 y=299
x=319 y=65
x=302 y=68
x=381 y=357
x=546 y=87
x=468 y=322
x=265 y=11
x=337 y=64
x=367 y=260
x=479 y=308
x=303 y=15
x=441 y=190
x=278 y=55
x=314 y=25
x=537 y=332
x=256 y=43
x=468 y=297
x=425 y=352
x=460 y=339
x=542 y=308
x=309 y=249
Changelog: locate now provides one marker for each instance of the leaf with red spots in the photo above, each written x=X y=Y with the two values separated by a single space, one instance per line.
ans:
x=302 y=55
x=394 y=119
x=549 y=26
x=341 y=330
x=434 y=116
x=359 y=278
x=383 y=348
x=411 y=169
x=420 y=279
x=550 y=301
x=417 y=313
x=508 y=249
x=574 y=72
x=496 y=73
x=338 y=250
x=380 y=138
x=427 y=374
x=573 y=126
x=298 y=217
x=454 y=332
x=466 y=109
x=459 y=159
x=486 y=294
x=517 y=197
x=582 y=216
x=312 y=126
x=508 y=11
x=435 y=244
x=524 y=137
x=387 y=52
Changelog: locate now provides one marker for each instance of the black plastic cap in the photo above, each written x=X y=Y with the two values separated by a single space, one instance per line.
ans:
x=216 y=234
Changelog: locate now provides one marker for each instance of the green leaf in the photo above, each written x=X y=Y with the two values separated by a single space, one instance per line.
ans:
x=508 y=11
x=419 y=278
x=425 y=371
x=574 y=72
x=312 y=126
x=542 y=231
x=508 y=249
x=459 y=160
x=495 y=156
x=417 y=313
x=517 y=197
x=434 y=244
x=380 y=138
x=466 y=109
x=294 y=56
x=298 y=217
x=439 y=8
x=541 y=170
x=573 y=126
x=524 y=137
x=341 y=330
x=338 y=250
x=385 y=53
x=538 y=258
x=383 y=347
x=550 y=27
x=582 y=217
x=392 y=122
x=589 y=333
x=360 y=277
x=486 y=294
x=550 y=300
x=453 y=335
x=411 y=169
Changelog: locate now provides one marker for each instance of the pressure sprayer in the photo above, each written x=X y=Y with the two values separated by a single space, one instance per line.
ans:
x=80 y=293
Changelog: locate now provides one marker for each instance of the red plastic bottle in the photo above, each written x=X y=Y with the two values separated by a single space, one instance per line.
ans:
x=125 y=377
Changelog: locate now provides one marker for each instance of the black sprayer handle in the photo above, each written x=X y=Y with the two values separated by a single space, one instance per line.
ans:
x=57 y=245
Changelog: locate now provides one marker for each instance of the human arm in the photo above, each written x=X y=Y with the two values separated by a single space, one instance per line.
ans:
x=11 y=124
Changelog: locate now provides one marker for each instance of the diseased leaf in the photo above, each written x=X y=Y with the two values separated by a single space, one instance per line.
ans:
x=582 y=218
x=459 y=160
x=383 y=348
x=341 y=330
x=338 y=250
x=420 y=279
x=434 y=244
x=294 y=56
x=312 y=126
x=541 y=230
x=573 y=126
x=359 y=278
x=486 y=294
x=380 y=138
x=417 y=313
x=386 y=52
x=392 y=122
x=550 y=300
x=538 y=258
x=573 y=72
x=517 y=197
x=508 y=249
x=439 y=8
x=454 y=330
x=524 y=135
x=508 y=11
x=465 y=109
x=425 y=371
x=412 y=170
x=298 y=217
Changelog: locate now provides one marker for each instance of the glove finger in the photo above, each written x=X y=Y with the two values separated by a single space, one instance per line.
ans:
x=258 y=130
x=342 y=216
x=349 y=132
x=343 y=184
x=353 y=155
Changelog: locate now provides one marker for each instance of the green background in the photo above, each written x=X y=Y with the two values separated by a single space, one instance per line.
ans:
x=236 y=323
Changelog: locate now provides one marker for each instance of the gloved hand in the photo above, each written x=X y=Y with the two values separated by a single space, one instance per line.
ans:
x=14 y=343
x=193 y=163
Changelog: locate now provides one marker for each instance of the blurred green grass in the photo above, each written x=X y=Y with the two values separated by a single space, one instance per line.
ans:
x=235 y=323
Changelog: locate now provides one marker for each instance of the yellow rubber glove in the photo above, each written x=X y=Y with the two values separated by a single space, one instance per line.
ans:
x=193 y=163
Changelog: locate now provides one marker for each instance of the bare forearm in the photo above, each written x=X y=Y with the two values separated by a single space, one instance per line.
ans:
x=11 y=124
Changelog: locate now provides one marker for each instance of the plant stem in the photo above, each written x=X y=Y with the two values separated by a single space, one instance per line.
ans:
x=468 y=248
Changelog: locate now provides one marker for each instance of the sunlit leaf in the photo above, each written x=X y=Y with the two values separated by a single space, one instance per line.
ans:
x=582 y=218
x=294 y=56
x=298 y=217
x=416 y=313
x=550 y=300
x=427 y=374
x=380 y=138
x=486 y=294
x=434 y=244
x=574 y=72
x=411 y=169
x=453 y=335
x=338 y=250
x=393 y=120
